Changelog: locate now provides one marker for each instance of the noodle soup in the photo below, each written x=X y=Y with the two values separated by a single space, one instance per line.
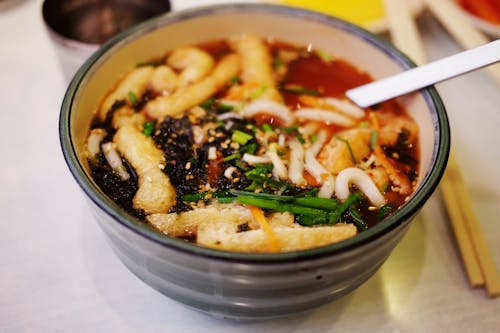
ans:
x=250 y=145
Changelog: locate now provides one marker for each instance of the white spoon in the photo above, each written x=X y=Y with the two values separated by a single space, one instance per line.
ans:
x=426 y=75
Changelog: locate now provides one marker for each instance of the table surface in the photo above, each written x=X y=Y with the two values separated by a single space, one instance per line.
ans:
x=58 y=274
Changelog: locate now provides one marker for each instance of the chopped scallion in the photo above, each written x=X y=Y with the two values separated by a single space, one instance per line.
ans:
x=132 y=97
x=301 y=90
x=258 y=91
x=241 y=137
x=232 y=157
x=267 y=128
x=373 y=139
x=353 y=158
x=148 y=128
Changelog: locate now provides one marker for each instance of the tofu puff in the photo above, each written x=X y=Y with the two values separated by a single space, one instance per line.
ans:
x=249 y=145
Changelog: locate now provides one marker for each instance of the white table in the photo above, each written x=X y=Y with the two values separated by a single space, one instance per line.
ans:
x=58 y=274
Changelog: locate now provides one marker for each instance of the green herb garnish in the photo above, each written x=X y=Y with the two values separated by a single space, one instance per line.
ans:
x=148 y=128
x=373 y=139
x=241 y=137
x=132 y=97
x=353 y=158
x=301 y=90
x=207 y=105
x=257 y=92
x=267 y=128
x=232 y=157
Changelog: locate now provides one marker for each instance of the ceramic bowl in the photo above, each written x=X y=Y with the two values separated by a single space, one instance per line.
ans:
x=238 y=285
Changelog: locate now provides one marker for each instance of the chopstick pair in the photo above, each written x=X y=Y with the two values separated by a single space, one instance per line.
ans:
x=477 y=259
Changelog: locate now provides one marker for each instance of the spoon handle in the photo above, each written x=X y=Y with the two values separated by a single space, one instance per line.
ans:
x=426 y=75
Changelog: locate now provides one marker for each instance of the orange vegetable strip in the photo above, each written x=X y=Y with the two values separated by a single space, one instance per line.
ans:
x=258 y=215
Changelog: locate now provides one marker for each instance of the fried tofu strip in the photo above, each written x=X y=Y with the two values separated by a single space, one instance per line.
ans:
x=257 y=66
x=155 y=194
x=126 y=115
x=336 y=154
x=224 y=236
x=184 y=99
x=135 y=82
x=186 y=223
x=164 y=80
x=193 y=62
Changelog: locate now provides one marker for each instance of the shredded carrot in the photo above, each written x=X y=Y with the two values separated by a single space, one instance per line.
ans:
x=240 y=92
x=394 y=174
x=258 y=215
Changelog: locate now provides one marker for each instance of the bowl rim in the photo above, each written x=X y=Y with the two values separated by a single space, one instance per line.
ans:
x=402 y=216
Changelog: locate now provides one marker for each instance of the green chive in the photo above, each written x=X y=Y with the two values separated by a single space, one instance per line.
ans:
x=250 y=148
x=300 y=90
x=258 y=91
x=384 y=211
x=241 y=137
x=148 y=128
x=224 y=107
x=351 y=199
x=353 y=158
x=207 y=105
x=263 y=195
x=132 y=97
x=313 y=138
x=373 y=139
x=232 y=157
x=234 y=81
x=316 y=202
x=267 y=128
x=357 y=219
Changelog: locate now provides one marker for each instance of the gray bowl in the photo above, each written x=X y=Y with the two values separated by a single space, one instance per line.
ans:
x=237 y=285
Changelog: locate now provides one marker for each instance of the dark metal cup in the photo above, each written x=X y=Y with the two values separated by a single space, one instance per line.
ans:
x=79 y=27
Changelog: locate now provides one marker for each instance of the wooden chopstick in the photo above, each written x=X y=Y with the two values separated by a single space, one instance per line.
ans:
x=458 y=202
x=453 y=202
x=467 y=36
x=459 y=26
x=404 y=31
x=475 y=254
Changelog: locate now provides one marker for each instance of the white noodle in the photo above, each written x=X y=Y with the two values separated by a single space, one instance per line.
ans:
x=326 y=116
x=317 y=170
x=263 y=106
x=296 y=162
x=362 y=181
x=309 y=128
x=228 y=173
x=312 y=165
x=281 y=140
x=114 y=160
x=346 y=107
x=94 y=141
x=279 y=168
x=229 y=115
x=254 y=159
x=328 y=187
